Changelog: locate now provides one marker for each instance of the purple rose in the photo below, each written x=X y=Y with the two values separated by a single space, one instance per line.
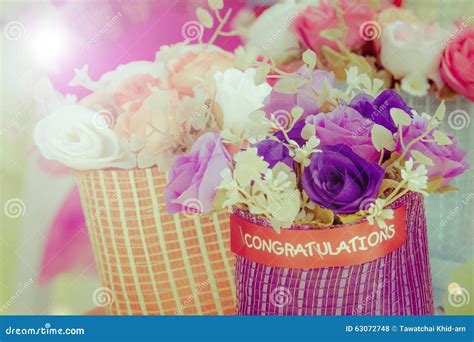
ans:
x=280 y=104
x=273 y=152
x=340 y=180
x=378 y=110
x=345 y=125
x=449 y=160
x=194 y=177
x=294 y=134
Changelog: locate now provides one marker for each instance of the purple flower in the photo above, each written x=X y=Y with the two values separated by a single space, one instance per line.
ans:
x=294 y=134
x=273 y=152
x=194 y=177
x=378 y=110
x=345 y=125
x=280 y=104
x=340 y=180
x=449 y=160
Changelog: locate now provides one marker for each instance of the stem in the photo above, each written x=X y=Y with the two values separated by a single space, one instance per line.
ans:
x=381 y=157
x=394 y=192
x=400 y=133
x=221 y=25
x=409 y=146
x=397 y=197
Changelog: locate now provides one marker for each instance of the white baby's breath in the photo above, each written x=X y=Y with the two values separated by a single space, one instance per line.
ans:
x=271 y=193
x=416 y=179
x=376 y=213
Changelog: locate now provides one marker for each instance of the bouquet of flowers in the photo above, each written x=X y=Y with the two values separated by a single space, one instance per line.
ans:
x=317 y=163
x=120 y=142
x=381 y=39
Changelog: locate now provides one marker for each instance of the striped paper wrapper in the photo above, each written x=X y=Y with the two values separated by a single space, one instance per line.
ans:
x=397 y=284
x=151 y=262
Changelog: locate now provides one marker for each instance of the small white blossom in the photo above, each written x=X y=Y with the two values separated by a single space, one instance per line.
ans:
x=416 y=179
x=377 y=213
x=416 y=85
x=352 y=77
x=301 y=155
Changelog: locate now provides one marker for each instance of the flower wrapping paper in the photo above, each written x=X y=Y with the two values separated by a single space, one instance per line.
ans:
x=151 y=262
x=397 y=284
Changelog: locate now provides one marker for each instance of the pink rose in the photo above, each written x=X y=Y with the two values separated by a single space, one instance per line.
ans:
x=129 y=84
x=313 y=20
x=346 y=126
x=154 y=124
x=190 y=65
x=449 y=160
x=457 y=67
x=194 y=177
x=154 y=109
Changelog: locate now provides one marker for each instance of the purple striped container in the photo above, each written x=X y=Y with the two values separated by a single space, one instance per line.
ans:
x=397 y=284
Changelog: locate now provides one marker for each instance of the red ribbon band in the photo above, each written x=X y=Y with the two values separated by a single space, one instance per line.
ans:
x=305 y=249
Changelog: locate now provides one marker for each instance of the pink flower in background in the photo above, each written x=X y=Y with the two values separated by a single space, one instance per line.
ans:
x=345 y=125
x=128 y=84
x=457 y=67
x=190 y=65
x=194 y=177
x=313 y=20
x=449 y=160
x=158 y=108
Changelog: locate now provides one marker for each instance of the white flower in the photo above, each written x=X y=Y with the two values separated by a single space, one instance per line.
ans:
x=416 y=179
x=377 y=213
x=113 y=80
x=78 y=138
x=302 y=154
x=408 y=49
x=415 y=84
x=271 y=33
x=352 y=77
x=238 y=96
x=248 y=166
x=272 y=193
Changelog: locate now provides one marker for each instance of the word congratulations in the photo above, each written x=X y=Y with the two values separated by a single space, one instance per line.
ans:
x=322 y=248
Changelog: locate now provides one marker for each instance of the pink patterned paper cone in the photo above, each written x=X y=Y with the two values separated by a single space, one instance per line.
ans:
x=398 y=283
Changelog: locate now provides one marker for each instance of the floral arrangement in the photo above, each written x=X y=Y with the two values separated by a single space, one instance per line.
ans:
x=319 y=155
x=145 y=113
x=384 y=41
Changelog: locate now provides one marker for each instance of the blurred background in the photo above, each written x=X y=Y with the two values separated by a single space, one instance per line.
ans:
x=46 y=265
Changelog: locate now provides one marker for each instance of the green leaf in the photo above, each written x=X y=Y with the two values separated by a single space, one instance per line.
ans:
x=288 y=85
x=261 y=74
x=421 y=158
x=215 y=4
x=308 y=131
x=297 y=112
x=382 y=138
x=440 y=111
x=309 y=57
x=441 y=138
x=331 y=34
x=204 y=17
x=400 y=117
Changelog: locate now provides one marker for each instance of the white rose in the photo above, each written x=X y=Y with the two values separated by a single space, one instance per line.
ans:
x=408 y=50
x=80 y=139
x=271 y=33
x=238 y=96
